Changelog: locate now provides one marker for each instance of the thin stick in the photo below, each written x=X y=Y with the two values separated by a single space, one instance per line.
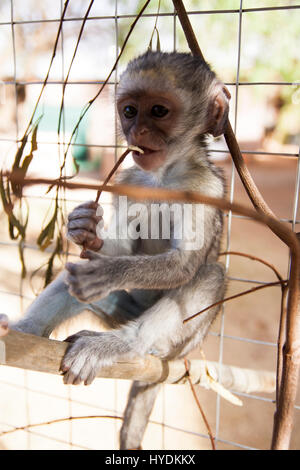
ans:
x=280 y=340
x=240 y=294
x=162 y=194
x=254 y=258
x=212 y=439
x=111 y=173
x=54 y=421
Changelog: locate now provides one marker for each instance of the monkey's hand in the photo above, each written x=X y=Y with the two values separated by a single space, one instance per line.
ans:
x=82 y=225
x=94 y=279
x=88 y=352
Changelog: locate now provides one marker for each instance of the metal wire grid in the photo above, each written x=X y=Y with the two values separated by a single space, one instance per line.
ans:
x=116 y=17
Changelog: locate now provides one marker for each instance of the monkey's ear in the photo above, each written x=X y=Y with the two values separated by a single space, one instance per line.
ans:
x=218 y=111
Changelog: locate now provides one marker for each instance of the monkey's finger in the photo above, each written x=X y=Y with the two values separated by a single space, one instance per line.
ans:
x=76 y=269
x=80 y=270
x=71 y=363
x=72 y=338
x=87 y=205
x=81 y=213
x=91 y=255
x=88 y=224
x=71 y=379
x=76 y=379
x=80 y=236
x=90 y=378
x=71 y=268
x=95 y=245
x=75 y=291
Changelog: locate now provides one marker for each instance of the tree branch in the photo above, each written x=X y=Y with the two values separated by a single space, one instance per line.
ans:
x=32 y=352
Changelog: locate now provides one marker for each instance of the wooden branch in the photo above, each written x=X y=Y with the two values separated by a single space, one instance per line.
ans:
x=143 y=193
x=44 y=355
x=244 y=174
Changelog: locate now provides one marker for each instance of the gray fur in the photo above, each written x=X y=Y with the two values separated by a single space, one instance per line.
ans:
x=144 y=288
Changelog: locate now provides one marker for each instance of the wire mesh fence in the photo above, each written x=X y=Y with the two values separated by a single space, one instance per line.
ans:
x=245 y=334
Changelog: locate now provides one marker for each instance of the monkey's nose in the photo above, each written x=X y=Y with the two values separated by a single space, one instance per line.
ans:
x=144 y=130
x=141 y=130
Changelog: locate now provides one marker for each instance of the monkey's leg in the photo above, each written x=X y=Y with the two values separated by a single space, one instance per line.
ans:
x=53 y=306
x=140 y=404
x=207 y=287
x=160 y=329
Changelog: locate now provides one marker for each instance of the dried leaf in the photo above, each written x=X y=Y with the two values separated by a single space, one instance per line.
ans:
x=56 y=252
x=47 y=234
x=19 y=153
x=34 y=135
x=158 y=42
x=222 y=391
x=8 y=209
x=22 y=259
x=21 y=170
x=5 y=200
x=150 y=44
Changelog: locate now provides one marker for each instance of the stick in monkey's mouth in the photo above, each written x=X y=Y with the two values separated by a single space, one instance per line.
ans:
x=134 y=148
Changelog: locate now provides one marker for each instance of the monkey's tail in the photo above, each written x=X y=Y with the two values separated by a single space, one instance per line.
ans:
x=139 y=406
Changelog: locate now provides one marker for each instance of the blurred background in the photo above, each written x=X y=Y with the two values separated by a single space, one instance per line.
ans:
x=254 y=48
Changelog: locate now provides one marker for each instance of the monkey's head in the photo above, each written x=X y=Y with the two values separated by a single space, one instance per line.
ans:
x=166 y=101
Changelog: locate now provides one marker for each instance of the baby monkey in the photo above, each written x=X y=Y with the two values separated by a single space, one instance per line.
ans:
x=144 y=286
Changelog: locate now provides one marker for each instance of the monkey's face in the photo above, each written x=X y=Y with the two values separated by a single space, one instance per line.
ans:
x=148 y=121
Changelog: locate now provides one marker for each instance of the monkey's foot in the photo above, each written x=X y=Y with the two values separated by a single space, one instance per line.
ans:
x=88 y=352
x=3 y=324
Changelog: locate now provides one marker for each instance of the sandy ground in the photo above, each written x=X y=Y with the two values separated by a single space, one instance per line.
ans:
x=250 y=326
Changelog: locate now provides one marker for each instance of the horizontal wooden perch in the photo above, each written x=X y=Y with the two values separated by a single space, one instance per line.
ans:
x=44 y=355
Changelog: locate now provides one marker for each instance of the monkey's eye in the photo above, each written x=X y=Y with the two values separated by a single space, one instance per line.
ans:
x=129 y=112
x=159 y=111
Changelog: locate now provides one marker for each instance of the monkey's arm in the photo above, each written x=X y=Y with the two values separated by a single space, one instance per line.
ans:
x=93 y=280
x=103 y=274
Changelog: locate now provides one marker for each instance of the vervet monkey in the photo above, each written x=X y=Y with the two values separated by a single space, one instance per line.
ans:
x=147 y=286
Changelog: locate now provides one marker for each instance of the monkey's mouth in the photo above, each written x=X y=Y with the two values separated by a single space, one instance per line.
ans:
x=149 y=158
x=145 y=151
